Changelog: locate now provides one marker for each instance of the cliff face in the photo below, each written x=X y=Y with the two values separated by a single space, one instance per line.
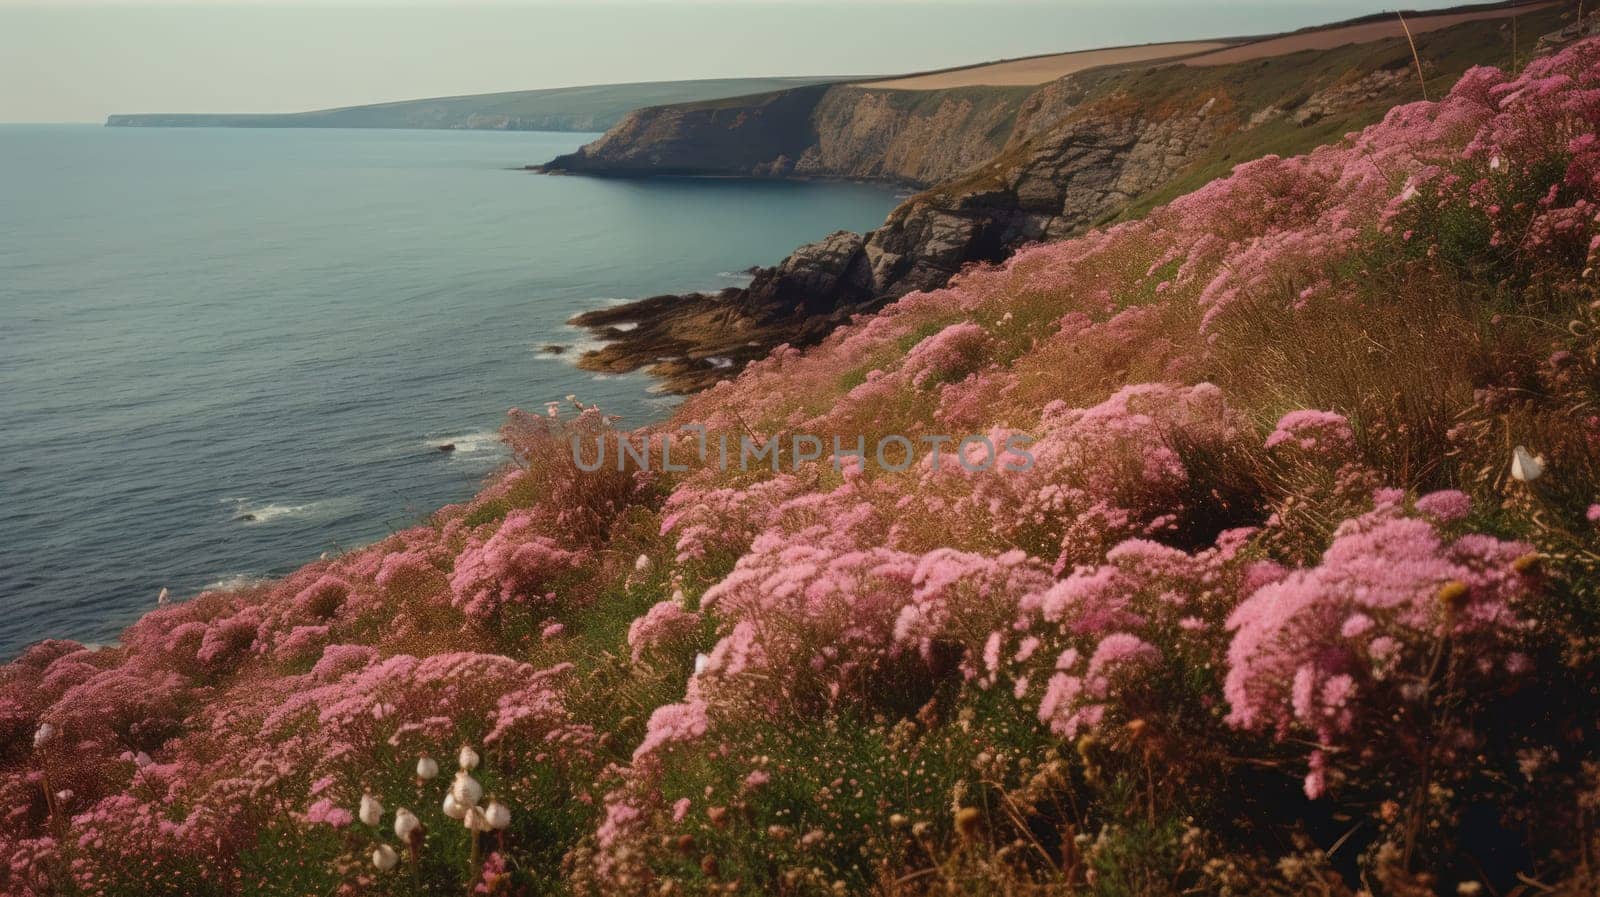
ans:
x=914 y=137
x=908 y=136
x=1054 y=185
x=754 y=137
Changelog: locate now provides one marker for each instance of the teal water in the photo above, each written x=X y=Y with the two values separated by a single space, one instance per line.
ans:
x=200 y=325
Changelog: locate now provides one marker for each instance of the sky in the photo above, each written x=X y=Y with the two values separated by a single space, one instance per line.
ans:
x=80 y=60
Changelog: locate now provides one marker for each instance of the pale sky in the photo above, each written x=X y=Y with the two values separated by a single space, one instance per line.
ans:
x=80 y=60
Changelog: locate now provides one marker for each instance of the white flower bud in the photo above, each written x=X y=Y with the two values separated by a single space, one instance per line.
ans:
x=385 y=858
x=42 y=736
x=466 y=790
x=701 y=661
x=427 y=768
x=498 y=815
x=1526 y=466
x=642 y=565
x=453 y=808
x=371 y=811
x=405 y=822
x=475 y=820
x=468 y=758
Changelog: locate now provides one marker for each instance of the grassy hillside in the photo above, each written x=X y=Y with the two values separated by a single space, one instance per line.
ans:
x=1285 y=582
x=1280 y=84
x=593 y=108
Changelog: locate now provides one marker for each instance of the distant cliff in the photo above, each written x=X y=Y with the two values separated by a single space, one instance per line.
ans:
x=593 y=108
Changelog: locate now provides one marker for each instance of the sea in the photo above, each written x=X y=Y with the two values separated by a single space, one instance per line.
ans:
x=224 y=352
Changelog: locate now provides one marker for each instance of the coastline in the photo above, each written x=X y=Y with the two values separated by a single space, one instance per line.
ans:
x=691 y=341
x=688 y=342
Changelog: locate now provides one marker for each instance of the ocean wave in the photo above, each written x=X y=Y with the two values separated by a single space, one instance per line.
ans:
x=474 y=444
x=247 y=511
x=582 y=341
x=234 y=582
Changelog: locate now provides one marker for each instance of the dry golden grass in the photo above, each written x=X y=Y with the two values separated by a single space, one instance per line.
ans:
x=1043 y=69
x=1330 y=38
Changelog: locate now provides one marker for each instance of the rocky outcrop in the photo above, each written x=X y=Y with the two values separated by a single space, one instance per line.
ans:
x=1587 y=26
x=817 y=279
x=1054 y=185
x=689 y=342
x=1365 y=89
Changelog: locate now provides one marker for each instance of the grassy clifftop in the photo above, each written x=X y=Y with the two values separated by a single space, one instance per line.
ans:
x=1291 y=588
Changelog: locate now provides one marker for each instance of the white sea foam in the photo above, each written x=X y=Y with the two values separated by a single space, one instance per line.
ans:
x=477 y=443
x=252 y=513
x=233 y=582
x=582 y=341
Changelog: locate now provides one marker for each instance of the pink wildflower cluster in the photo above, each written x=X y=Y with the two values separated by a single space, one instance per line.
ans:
x=721 y=521
x=1321 y=432
x=667 y=624
x=515 y=565
x=950 y=354
x=1099 y=474
x=1333 y=651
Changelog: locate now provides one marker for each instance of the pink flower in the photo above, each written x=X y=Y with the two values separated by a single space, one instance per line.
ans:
x=1323 y=432
x=667 y=623
x=1446 y=506
x=325 y=812
x=672 y=723
x=950 y=354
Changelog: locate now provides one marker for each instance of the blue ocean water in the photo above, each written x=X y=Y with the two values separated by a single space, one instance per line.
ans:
x=203 y=326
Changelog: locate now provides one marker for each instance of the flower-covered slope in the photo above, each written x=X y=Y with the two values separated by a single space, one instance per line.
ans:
x=1261 y=604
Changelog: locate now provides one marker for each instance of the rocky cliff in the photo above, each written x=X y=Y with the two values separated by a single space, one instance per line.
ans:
x=1012 y=166
x=839 y=131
